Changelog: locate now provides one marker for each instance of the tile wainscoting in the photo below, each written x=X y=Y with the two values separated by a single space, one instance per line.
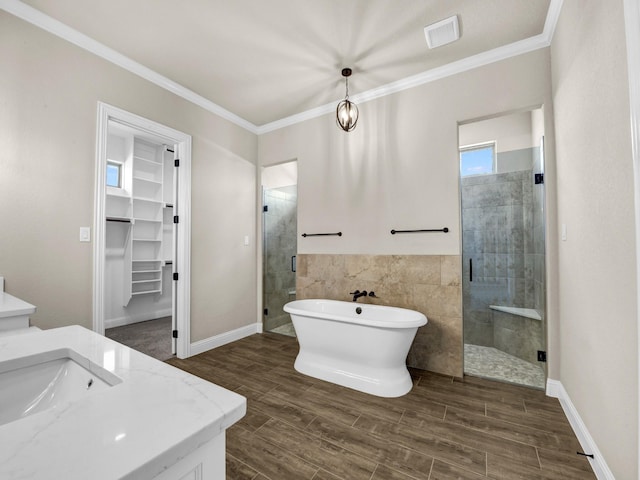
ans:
x=427 y=283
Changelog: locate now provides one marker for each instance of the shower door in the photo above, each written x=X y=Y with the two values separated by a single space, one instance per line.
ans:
x=503 y=267
x=279 y=252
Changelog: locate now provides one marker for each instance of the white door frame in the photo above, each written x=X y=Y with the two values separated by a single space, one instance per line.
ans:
x=183 y=228
x=632 y=32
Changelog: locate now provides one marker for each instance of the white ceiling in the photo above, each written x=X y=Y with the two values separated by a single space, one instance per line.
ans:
x=265 y=60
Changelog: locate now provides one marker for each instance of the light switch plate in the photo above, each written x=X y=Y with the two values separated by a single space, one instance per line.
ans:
x=85 y=234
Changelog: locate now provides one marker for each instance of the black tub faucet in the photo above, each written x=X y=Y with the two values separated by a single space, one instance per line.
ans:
x=357 y=294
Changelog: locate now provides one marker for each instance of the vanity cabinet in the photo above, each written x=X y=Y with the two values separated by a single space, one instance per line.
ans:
x=149 y=420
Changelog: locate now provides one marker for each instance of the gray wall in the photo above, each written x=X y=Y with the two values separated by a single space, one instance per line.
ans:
x=597 y=290
x=49 y=99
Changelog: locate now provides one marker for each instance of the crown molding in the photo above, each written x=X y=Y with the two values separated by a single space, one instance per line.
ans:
x=55 y=27
x=41 y=20
x=550 y=23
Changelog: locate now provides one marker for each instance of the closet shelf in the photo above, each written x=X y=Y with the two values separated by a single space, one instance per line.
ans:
x=119 y=194
x=146 y=219
x=146 y=240
x=148 y=180
x=145 y=271
x=142 y=159
x=155 y=280
x=148 y=200
x=140 y=219
x=146 y=292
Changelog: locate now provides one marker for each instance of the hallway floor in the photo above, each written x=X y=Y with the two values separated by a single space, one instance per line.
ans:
x=300 y=428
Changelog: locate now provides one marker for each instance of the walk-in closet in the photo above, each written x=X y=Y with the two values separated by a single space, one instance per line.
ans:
x=139 y=240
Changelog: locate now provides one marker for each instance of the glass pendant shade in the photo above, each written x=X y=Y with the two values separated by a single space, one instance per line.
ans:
x=347 y=111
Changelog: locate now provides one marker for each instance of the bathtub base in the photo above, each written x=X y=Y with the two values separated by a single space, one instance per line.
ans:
x=390 y=383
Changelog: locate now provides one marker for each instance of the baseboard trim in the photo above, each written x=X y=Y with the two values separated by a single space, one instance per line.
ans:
x=140 y=317
x=600 y=468
x=216 y=341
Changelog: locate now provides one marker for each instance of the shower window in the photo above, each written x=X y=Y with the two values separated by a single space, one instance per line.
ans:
x=478 y=159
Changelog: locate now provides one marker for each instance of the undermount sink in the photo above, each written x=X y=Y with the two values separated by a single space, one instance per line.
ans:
x=39 y=382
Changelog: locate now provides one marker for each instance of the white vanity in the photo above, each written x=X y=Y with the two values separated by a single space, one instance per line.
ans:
x=106 y=411
x=14 y=313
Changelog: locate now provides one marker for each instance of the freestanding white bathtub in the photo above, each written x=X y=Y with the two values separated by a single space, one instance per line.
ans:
x=359 y=346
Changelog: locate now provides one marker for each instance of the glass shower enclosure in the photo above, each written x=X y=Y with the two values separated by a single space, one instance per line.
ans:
x=279 y=257
x=503 y=245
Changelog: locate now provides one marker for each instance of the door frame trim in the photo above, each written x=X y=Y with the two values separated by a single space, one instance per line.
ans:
x=632 y=36
x=182 y=261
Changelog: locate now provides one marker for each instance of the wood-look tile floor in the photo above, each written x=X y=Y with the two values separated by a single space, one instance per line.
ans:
x=299 y=428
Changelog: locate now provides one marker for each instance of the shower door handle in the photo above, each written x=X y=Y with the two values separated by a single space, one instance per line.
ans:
x=293 y=263
x=471 y=270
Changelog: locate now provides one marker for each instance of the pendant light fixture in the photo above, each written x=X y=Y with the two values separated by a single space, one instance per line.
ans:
x=347 y=111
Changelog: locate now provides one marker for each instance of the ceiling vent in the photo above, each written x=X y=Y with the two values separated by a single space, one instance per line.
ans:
x=442 y=32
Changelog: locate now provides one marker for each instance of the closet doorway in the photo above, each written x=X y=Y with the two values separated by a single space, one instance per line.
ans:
x=142 y=234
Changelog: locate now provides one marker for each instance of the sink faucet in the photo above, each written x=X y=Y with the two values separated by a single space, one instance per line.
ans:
x=357 y=294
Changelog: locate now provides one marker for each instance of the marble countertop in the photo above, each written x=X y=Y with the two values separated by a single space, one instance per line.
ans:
x=136 y=429
x=11 y=306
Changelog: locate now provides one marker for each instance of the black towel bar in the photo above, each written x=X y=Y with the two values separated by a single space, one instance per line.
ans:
x=445 y=230
x=339 y=234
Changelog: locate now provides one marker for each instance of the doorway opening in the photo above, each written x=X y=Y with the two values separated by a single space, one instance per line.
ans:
x=280 y=202
x=142 y=232
x=503 y=245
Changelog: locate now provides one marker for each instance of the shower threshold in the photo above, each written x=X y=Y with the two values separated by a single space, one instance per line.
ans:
x=494 y=364
x=286 y=329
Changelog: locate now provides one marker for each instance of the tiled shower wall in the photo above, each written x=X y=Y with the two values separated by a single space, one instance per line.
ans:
x=280 y=227
x=427 y=283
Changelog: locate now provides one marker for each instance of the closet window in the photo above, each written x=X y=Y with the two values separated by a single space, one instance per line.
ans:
x=114 y=174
